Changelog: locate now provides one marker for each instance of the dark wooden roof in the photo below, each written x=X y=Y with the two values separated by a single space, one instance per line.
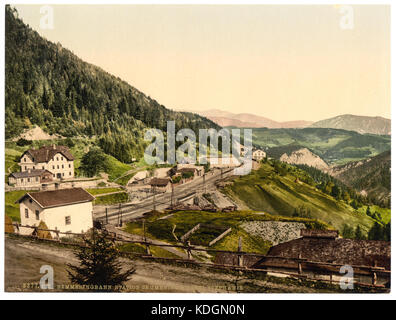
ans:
x=46 y=153
x=339 y=251
x=30 y=173
x=56 y=198
x=159 y=182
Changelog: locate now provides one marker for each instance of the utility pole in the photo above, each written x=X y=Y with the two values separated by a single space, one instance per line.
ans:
x=240 y=257
x=144 y=230
x=154 y=207
x=204 y=184
x=172 y=195
x=120 y=214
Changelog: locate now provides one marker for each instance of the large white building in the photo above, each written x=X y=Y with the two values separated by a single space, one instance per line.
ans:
x=66 y=210
x=56 y=159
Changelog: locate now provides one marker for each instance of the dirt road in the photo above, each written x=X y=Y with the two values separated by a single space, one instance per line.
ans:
x=23 y=260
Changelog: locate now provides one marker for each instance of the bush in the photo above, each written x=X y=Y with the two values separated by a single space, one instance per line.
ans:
x=23 y=142
x=94 y=162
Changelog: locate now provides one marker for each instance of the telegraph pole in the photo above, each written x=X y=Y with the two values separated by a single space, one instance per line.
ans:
x=120 y=214
x=172 y=195
x=154 y=207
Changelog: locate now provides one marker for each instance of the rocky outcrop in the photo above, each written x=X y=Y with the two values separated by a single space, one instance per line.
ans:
x=274 y=231
x=304 y=156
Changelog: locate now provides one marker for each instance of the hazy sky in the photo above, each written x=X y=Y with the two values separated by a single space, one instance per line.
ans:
x=281 y=62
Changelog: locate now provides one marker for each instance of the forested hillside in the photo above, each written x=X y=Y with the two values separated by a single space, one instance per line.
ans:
x=372 y=176
x=47 y=85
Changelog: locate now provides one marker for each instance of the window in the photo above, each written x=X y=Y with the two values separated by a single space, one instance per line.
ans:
x=68 y=220
x=25 y=168
x=36 y=178
x=57 y=159
x=42 y=167
x=63 y=174
x=37 y=215
x=63 y=166
x=57 y=167
x=26 y=213
x=33 y=167
x=28 y=179
x=22 y=180
x=69 y=173
x=61 y=158
x=24 y=159
x=54 y=175
x=69 y=165
x=53 y=167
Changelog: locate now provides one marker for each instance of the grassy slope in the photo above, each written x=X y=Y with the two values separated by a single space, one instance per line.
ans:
x=186 y=220
x=268 y=191
x=114 y=198
x=11 y=208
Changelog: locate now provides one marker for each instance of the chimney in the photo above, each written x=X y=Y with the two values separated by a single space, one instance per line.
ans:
x=54 y=147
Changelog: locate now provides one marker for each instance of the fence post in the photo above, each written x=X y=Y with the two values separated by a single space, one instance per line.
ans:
x=374 y=278
x=107 y=218
x=240 y=257
x=148 y=252
x=300 y=271
x=189 y=255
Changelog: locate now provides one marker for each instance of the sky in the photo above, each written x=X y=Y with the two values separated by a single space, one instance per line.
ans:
x=282 y=62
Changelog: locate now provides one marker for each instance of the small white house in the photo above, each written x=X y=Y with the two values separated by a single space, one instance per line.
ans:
x=66 y=210
x=258 y=154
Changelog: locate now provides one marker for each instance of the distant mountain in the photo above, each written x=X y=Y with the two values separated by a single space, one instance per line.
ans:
x=370 y=176
x=247 y=120
x=361 y=124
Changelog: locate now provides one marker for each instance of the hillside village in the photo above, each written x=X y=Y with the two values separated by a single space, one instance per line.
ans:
x=53 y=198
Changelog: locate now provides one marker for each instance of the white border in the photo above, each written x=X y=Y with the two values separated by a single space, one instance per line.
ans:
x=177 y=296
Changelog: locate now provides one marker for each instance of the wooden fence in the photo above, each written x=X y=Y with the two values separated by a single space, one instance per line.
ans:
x=332 y=269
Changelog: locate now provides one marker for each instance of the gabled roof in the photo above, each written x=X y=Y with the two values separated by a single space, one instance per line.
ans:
x=46 y=153
x=56 y=198
x=29 y=173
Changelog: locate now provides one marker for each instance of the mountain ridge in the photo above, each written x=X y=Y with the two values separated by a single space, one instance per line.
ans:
x=361 y=124
x=240 y=120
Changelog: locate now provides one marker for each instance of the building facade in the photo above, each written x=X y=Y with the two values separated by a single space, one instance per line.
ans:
x=66 y=210
x=258 y=154
x=30 y=178
x=56 y=159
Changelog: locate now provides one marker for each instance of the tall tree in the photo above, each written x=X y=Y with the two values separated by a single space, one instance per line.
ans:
x=99 y=265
